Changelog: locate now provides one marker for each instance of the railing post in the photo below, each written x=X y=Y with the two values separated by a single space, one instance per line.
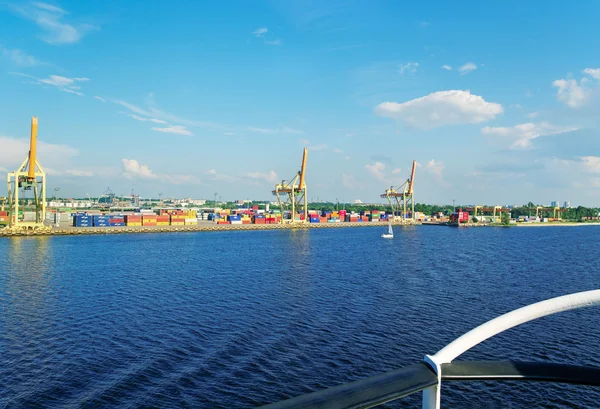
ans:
x=431 y=395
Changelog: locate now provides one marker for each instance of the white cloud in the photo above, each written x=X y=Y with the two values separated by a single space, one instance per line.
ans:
x=175 y=129
x=593 y=72
x=467 y=68
x=156 y=121
x=228 y=133
x=436 y=169
x=212 y=172
x=396 y=171
x=80 y=173
x=521 y=136
x=574 y=94
x=408 y=67
x=260 y=32
x=20 y=58
x=533 y=115
x=99 y=98
x=270 y=176
x=274 y=42
x=133 y=169
x=51 y=19
x=376 y=170
x=441 y=108
x=15 y=150
x=338 y=150
x=348 y=158
x=447 y=67
x=65 y=84
x=591 y=164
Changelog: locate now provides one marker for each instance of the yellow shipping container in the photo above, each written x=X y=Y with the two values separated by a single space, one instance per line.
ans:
x=134 y=224
x=190 y=223
x=162 y=223
x=177 y=223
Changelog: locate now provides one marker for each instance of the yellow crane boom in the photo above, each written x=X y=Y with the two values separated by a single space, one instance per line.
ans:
x=32 y=149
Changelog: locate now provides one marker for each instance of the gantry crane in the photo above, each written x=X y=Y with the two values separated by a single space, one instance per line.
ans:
x=401 y=197
x=30 y=176
x=293 y=193
x=494 y=209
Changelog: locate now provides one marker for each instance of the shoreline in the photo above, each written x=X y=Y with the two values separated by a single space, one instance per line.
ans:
x=210 y=226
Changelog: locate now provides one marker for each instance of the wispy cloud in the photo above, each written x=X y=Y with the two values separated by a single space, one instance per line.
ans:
x=261 y=32
x=521 y=136
x=436 y=169
x=175 y=129
x=410 y=67
x=592 y=72
x=447 y=67
x=51 y=19
x=99 y=98
x=467 y=68
x=62 y=83
x=270 y=176
x=139 y=118
x=533 y=115
x=20 y=58
x=310 y=147
x=338 y=150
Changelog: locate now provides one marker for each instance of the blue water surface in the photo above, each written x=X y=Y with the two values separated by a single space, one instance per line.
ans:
x=239 y=319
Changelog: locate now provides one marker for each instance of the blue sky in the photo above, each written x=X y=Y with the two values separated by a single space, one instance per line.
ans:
x=498 y=102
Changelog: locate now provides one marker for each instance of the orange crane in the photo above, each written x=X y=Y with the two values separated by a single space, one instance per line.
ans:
x=402 y=196
x=30 y=176
x=293 y=193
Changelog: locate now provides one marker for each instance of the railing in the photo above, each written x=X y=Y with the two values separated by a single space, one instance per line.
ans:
x=428 y=375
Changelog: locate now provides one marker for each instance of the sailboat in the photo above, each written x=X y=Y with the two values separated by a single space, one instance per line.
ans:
x=390 y=233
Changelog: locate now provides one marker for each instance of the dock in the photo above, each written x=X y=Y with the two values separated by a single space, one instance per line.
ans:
x=204 y=227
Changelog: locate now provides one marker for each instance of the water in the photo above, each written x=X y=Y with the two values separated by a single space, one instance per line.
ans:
x=238 y=319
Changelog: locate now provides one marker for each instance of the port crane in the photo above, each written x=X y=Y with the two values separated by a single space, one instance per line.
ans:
x=401 y=197
x=293 y=193
x=29 y=177
x=485 y=209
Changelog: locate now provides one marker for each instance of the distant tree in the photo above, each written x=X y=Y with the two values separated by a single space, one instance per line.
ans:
x=505 y=219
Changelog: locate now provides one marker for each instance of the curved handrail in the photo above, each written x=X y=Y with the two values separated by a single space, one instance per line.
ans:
x=514 y=318
x=427 y=376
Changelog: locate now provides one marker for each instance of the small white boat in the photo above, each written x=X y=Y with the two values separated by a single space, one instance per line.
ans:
x=390 y=233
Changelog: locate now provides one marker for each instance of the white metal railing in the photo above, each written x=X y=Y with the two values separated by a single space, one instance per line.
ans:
x=431 y=395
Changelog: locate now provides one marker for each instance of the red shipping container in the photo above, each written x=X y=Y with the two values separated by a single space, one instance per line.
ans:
x=3 y=213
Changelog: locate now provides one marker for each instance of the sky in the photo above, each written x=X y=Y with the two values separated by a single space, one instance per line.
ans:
x=498 y=102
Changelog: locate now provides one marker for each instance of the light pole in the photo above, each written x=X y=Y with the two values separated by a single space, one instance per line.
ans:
x=453 y=204
x=215 y=199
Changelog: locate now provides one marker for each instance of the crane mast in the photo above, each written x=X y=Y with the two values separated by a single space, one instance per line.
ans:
x=30 y=176
x=293 y=193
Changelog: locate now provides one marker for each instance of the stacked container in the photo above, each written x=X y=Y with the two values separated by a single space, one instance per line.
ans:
x=260 y=219
x=149 y=220
x=4 y=217
x=163 y=220
x=177 y=220
x=116 y=221
x=314 y=218
x=82 y=220
x=234 y=219
x=100 y=220
x=133 y=220
x=189 y=221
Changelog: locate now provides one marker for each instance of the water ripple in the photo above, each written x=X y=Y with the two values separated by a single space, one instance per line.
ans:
x=229 y=320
